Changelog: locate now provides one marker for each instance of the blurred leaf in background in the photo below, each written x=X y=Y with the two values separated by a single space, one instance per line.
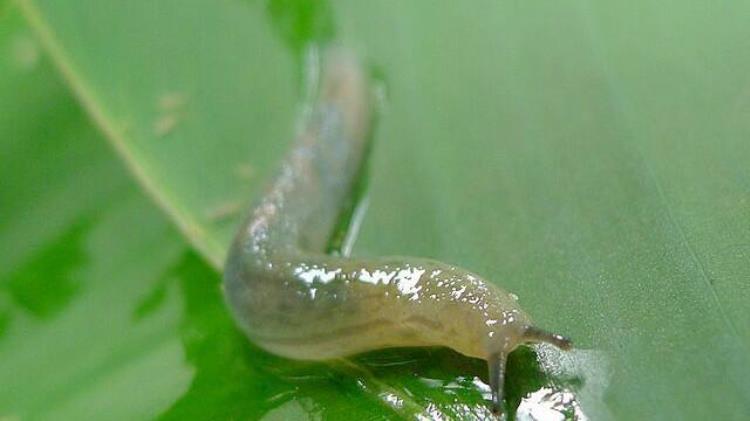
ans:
x=72 y=266
x=591 y=158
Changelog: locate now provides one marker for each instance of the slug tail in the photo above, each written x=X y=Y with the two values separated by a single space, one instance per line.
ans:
x=534 y=334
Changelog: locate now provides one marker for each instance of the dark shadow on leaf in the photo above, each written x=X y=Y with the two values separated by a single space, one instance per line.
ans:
x=300 y=23
x=47 y=283
x=4 y=322
x=151 y=302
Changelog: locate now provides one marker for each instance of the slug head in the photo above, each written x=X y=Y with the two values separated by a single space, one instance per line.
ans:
x=487 y=322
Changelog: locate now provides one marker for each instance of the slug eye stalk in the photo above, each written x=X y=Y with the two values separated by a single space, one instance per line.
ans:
x=496 y=365
x=536 y=335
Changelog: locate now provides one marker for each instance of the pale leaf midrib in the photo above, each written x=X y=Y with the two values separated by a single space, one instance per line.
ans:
x=188 y=226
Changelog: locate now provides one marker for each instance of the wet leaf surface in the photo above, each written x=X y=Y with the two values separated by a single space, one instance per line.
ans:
x=590 y=158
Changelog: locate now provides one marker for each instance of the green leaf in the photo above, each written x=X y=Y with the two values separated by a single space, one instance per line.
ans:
x=591 y=158
x=105 y=312
x=71 y=268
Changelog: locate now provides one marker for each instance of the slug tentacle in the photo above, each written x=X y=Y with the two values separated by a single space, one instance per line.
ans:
x=293 y=299
x=534 y=334
x=496 y=364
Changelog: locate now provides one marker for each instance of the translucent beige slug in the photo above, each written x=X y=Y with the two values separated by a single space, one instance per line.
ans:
x=294 y=300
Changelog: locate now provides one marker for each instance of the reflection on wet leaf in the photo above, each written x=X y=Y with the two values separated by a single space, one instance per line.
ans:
x=548 y=404
x=300 y=409
x=585 y=371
x=540 y=380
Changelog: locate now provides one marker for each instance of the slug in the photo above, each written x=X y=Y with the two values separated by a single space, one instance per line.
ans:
x=293 y=300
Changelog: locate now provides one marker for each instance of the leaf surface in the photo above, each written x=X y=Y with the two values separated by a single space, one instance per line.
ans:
x=591 y=158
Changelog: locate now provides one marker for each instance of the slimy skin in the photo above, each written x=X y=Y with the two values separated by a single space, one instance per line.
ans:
x=294 y=300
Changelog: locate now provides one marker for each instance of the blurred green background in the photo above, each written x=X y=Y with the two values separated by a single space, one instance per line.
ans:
x=592 y=158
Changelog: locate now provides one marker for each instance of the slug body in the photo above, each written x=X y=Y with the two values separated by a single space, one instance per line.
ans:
x=294 y=300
